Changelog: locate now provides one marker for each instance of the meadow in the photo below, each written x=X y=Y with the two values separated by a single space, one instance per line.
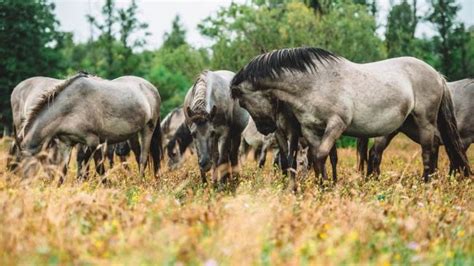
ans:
x=397 y=219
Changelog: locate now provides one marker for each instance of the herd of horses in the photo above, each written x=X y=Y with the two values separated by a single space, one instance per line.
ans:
x=293 y=101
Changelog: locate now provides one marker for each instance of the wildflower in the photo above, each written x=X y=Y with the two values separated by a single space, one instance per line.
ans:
x=460 y=233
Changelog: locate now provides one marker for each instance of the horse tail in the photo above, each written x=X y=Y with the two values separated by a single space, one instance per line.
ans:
x=156 y=148
x=448 y=129
x=362 y=157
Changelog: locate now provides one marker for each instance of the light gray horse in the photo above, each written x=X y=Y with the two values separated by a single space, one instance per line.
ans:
x=462 y=92
x=90 y=110
x=216 y=123
x=22 y=99
x=330 y=95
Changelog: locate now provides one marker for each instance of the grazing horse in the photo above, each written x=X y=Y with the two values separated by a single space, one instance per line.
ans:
x=462 y=92
x=171 y=123
x=177 y=146
x=216 y=123
x=90 y=110
x=22 y=99
x=169 y=126
x=330 y=96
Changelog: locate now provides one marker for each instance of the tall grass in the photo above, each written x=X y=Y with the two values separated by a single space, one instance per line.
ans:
x=177 y=220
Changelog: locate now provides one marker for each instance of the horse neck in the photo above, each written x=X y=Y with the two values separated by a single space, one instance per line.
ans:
x=44 y=127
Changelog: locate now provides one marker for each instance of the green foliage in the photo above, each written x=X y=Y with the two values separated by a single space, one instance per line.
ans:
x=171 y=85
x=400 y=34
x=243 y=31
x=29 y=46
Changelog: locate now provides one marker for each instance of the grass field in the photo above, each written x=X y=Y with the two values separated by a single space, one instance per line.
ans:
x=175 y=220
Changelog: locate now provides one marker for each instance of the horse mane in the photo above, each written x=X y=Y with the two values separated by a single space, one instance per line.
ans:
x=44 y=99
x=274 y=63
x=199 y=101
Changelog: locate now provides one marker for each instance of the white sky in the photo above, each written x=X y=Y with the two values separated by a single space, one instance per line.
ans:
x=160 y=13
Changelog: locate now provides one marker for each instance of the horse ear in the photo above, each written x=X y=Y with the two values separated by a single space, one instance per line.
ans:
x=235 y=92
x=212 y=113
x=189 y=112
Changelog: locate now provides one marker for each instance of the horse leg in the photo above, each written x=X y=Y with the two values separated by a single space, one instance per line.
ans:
x=362 y=146
x=234 y=154
x=83 y=156
x=223 y=170
x=283 y=153
x=110 y=155
x=135 y=147
x=66 y=157
x=145 y=136
x=376 y=152
x=98 y=155
x=263 y=155
x=292 y=156
x=333 y=159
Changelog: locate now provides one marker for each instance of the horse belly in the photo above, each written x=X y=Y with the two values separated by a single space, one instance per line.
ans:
x=373 y=124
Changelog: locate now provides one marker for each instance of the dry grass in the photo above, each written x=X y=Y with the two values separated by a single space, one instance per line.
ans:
x=396 y=220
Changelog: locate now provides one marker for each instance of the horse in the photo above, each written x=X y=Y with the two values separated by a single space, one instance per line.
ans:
x=462 y=92
x=177 y=145
x=171 y=123
x=22 y=99
x=89 y=110
x=330 y=96
x=216 y=123
x=169 y=126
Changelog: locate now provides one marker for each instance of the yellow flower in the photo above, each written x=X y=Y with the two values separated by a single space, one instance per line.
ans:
x=353 y=236
x=461 y=233
x=323 y=235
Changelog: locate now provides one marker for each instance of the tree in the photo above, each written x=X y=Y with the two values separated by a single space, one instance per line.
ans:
x=400 y=33
x=30 y=44
x=115 y=41
x=443 y=15
x=243 y=31
x=176 y=37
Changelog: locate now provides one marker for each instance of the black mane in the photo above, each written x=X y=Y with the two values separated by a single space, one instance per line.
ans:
x=272 y=64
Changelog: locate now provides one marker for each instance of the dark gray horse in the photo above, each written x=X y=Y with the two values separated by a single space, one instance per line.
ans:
x=216 y=123
x=462 y=92
x=90 y=110
x=330 y=95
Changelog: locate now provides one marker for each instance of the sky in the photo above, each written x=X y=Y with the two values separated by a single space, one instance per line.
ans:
x=160 y=13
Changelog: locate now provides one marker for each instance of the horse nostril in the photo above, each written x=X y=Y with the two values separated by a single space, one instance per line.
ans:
x=202 y=163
